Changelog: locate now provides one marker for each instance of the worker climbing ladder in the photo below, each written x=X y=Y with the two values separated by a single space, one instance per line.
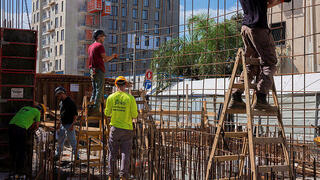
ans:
x=249 y=141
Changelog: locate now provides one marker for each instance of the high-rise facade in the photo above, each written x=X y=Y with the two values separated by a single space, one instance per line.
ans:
x=65 y=32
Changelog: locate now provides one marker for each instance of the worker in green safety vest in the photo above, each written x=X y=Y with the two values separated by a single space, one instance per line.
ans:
x=26 y=120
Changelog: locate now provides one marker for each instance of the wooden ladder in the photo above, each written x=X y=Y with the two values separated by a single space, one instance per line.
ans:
x=91 y=137
x=249 y=141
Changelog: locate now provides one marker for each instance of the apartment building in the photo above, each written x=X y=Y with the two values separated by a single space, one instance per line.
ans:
x=296 y=27
x=65 y=33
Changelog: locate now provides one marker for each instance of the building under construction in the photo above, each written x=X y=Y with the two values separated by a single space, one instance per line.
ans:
x=184 y=129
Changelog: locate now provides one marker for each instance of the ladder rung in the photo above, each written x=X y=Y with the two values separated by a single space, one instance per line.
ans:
x=273 y=168
x=229 y=178
x=241 y=86
x=253 y=61
x=235 y=134
x=268 y=140
x=92 y=147
x=94 y=118
x=86 y=160
x=95 y=164
x=140 y=102
x=267 y=112
x=272 y=112
x=228 y=158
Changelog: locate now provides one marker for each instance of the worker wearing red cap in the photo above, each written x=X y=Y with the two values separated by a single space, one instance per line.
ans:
x=121 y=107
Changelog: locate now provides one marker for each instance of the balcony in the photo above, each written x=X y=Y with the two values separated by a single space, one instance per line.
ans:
x=51 y=29
x=45 y=5
x=52 y=2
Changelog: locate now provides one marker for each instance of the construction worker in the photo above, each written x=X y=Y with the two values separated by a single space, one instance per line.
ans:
x=68 y=117
x=122 y=107
x=259 y=43
x=97 y=58
x=25 y=122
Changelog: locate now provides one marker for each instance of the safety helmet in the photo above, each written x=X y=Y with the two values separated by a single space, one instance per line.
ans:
x=120 y=81
x=97 y=33
x=59 y=89
x=42 y=108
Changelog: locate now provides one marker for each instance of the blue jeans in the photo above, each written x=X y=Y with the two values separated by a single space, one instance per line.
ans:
x=71 y=135
x=97 y=87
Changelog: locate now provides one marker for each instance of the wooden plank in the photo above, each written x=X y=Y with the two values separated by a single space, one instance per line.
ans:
x=223 y=114
x=273 y=168
x=241 y=86
x=249 y=117
x=229 y=158
x=235 y=134
x=94 y=118
x=85 y=160
x=92 y=148
x=267 y=140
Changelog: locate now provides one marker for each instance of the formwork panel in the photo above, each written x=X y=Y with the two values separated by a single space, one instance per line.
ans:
x=18 y=63
x=18 y=36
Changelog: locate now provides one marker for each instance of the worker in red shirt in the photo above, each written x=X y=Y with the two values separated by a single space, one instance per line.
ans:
x=97 y=58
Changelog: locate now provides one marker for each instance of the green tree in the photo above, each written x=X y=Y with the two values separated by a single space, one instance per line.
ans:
x=202 y=52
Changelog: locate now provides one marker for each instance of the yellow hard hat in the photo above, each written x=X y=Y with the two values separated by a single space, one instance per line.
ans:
x=42 y=108
x=317 y=140
x=120 y=78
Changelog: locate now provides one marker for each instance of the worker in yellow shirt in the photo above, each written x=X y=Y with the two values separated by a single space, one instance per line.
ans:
x=121 y=107
x=26 y=120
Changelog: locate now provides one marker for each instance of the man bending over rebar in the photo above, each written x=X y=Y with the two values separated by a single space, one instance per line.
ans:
x=25 y=122
x=122 y=107
x=258 y=43
x=97 y=58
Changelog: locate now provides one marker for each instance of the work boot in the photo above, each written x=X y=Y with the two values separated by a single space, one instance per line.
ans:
x=123 y=178
x=262 y=103
x=236 y=102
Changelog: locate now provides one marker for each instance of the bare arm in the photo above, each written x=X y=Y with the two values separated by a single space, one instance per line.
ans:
x=108 y=58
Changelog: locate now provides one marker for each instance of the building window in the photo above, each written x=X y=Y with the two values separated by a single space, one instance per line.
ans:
x=114 y=11
x=60 y=64
x=124 y=1
x=38 y=17
x=113 y=24
x=156 y=28
x=134 y=13
x=157 y=3
x=145 y=3
x=145 y=27
x=62 y=35
x=56 y=64
x=62 y=6
x=156 y=16
x=60 y=21
x=145 y=14
x=278 y=31
x=56 y=9
x=169 y=30
x=34 y=18
x=157 y=41
x=56 y=22
x=57 y=36
x=124 y=39
x=136 y=26
x=124 y=11
x=37 y=4
x=135 y=2
x=33 y=7
x=61 y=50
x=137 y=40
x=56 y=51
x=169 y=4
x=123 y=25
x=146 y=41
x=114 y=1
